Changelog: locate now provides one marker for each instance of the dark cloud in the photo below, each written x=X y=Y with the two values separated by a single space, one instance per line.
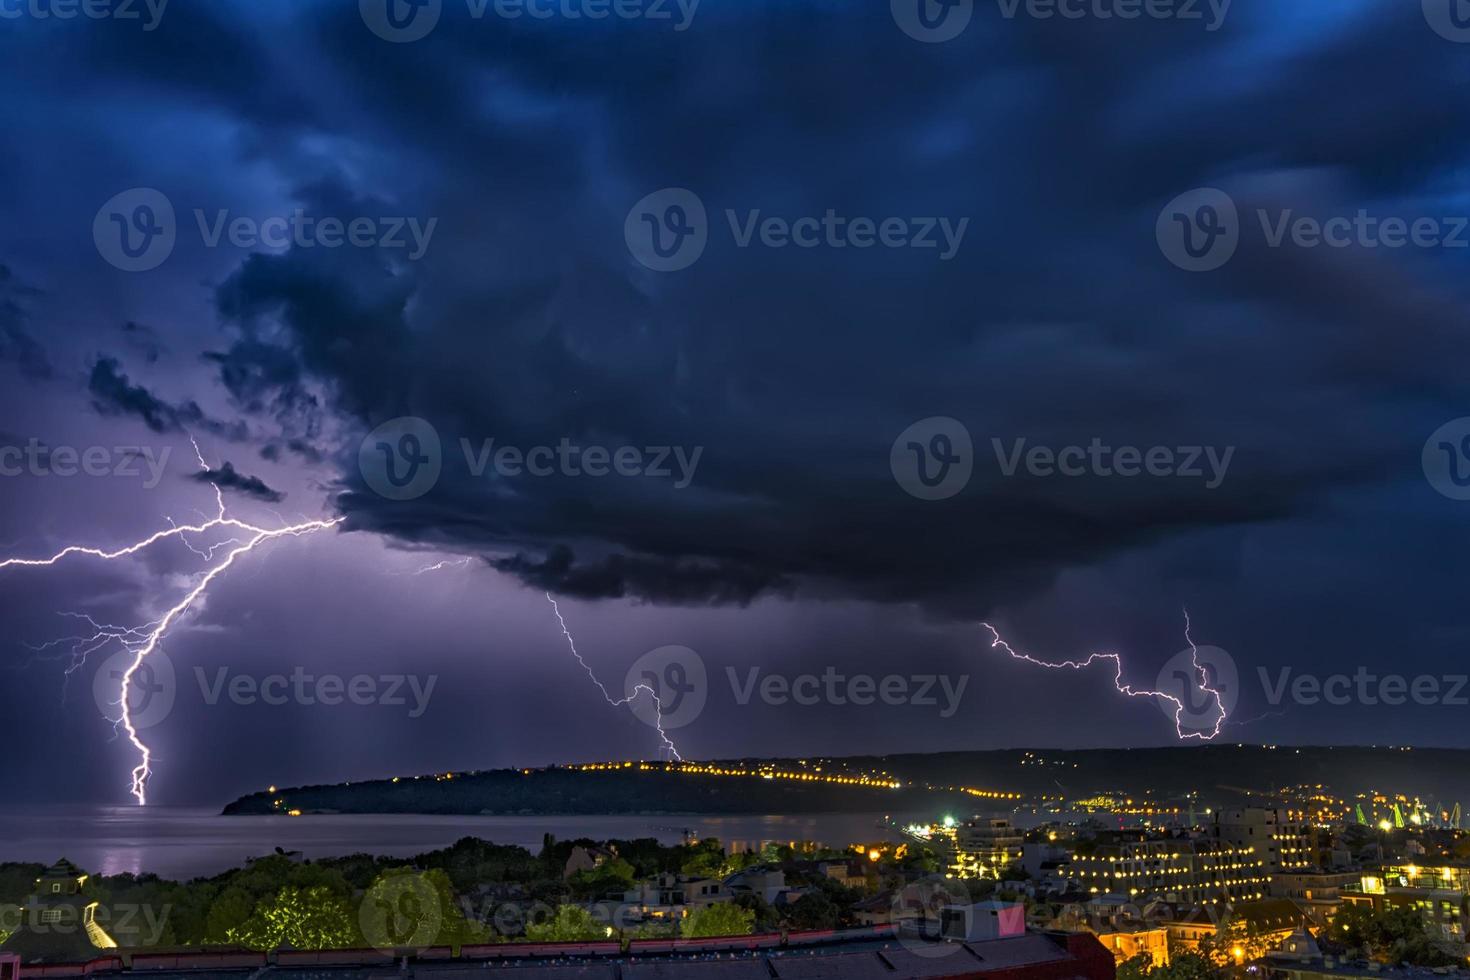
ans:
x=226 y=477
x=143 y=339
x=1058 y=321
x=114 y=394
x=652 y=580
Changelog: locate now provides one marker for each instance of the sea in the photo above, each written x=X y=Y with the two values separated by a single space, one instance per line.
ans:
x=180 y=843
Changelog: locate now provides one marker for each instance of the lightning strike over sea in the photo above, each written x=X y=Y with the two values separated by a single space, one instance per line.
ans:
x=658 y=705
x=142 y=641
x=1204 y=680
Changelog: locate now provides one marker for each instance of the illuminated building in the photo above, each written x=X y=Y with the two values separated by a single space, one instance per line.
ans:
x=1173 y=869
x=985 y=847
x=59 y=923
x=1438 y=894
x=1127 y=941
x=1283 y=838
x=1318 y=892
x=1273 y=920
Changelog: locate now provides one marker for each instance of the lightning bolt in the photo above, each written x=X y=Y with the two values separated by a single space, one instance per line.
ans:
x=1126 y=689
x=142 y=641
x=446 y=563
x=658 y=705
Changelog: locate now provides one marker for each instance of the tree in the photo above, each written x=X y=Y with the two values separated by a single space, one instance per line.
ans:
x=721 y=919
x=1250 y=939
x=571 y=924
x=812 y=911
x=615 y=875
x=299 y=919
x=1136 y=967
x=227 y=913
x=1393 y=935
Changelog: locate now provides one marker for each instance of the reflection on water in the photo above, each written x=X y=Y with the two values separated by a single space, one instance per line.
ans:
x=185 y=842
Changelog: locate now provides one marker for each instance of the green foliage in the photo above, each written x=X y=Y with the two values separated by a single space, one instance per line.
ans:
x=228 y=913
x=812 y=911
x=614 y=876
x=764 y=917
x=1393 y=935
x=1253 y=941
x=572 y=923
x=720 y=919
x=1136 y=967
x=298 y=918
x=1186 y=966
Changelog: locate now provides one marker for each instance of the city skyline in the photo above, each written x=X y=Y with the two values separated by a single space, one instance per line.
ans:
x=784 y=348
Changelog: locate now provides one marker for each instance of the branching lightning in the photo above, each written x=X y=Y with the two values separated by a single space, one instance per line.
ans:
x=658 y=705
x=1204 y=679
x=141 y=641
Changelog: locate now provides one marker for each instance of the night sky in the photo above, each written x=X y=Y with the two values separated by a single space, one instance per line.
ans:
x=532 y=317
